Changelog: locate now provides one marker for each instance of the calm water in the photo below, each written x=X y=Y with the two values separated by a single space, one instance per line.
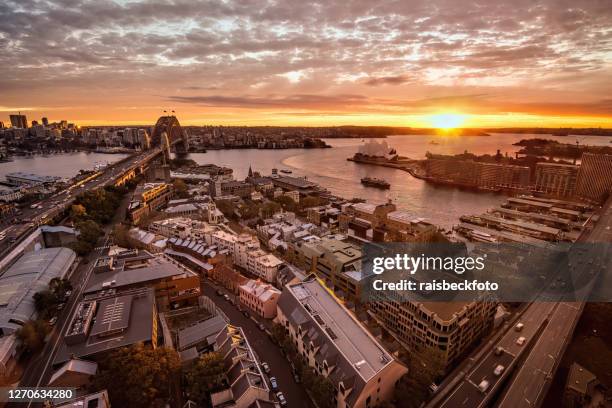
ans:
x=62 y=165
x=329 y=168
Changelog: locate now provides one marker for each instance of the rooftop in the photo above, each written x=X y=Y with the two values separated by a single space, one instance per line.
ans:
x=341 y=330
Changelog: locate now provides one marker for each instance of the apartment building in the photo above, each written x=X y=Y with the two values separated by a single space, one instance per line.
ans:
x=337 y=346
x=556 y=179
x=477 y=174
x=260 y=297
x=594 y=177
x=263 y=265
x=452 y=328
x=336 y=262
x=246 y=381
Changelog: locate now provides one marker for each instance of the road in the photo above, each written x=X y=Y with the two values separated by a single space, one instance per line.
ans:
x=263 y=347
x=19 y=226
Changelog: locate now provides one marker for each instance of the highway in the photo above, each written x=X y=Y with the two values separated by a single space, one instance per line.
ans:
x=19 y=226
x=548 y=328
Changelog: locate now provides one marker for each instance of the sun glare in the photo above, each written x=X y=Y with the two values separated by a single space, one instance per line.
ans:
x=447 y=120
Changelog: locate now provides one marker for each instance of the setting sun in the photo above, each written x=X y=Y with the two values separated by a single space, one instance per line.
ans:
x=447 y=120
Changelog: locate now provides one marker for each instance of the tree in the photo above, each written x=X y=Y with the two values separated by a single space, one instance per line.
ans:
x=180 y=188
x=424 y=367
x=138 y=376
x=205 y=375
x=45 y=303
x=82 y=248
x=286 y=203
x=77 y=212
x=310 y=201
x=59 y=287
x=31 y=335
x=269 y=209
x=89 y=231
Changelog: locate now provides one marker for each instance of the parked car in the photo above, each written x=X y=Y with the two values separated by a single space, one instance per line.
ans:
x=483 y=386
x=68 y=293
x=273 y=383
x=519 y=327
x=261 y=327
x=499 y=350
x=520 y=341
x=281 y=399
x=61 y=306
x=265 y=367
x=297 y=378
x=226 y=297
x=53 y=321
x=499 y=370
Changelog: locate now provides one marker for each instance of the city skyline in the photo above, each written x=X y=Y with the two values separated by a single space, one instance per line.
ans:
x=419 y=64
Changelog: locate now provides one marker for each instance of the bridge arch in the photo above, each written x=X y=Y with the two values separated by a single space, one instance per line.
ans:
x=175 y=133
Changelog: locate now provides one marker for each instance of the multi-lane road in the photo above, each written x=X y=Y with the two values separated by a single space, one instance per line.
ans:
x=18 y=226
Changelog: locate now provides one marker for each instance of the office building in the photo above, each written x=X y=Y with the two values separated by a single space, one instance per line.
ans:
x=337 y=346
x=594 y=177
x=19 y=121
x=107 y=322
x=147 y=198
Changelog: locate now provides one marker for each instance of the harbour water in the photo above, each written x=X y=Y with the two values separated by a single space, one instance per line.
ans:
x=62 y=165
x=329 y=168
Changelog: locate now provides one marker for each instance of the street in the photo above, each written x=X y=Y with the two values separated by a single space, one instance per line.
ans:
x=262 y=345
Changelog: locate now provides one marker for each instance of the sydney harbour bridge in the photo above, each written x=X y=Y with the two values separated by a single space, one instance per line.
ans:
x=168 y=133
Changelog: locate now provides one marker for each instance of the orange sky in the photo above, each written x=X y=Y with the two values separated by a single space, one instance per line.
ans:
x=510 y=64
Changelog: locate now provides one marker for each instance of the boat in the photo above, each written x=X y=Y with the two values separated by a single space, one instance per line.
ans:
x=375 y=182
x=286 y=171
x=433 y=142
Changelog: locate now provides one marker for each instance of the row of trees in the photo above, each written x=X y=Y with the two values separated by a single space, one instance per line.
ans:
x=140 y=376
x=319 y=387
x=46 y=301
x=90 y=210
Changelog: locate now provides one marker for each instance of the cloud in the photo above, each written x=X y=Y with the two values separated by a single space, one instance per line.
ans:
x=387 y=80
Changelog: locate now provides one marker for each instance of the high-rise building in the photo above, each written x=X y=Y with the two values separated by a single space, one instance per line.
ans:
x=594 y=177
x=19 y=121
x=556 y=179
x=450 y=328
x=45 y=121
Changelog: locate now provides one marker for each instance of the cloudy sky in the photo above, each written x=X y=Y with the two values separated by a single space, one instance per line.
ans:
x=296 y=62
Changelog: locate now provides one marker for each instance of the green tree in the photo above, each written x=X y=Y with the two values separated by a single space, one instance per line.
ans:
x=31 y=335
x=269 y=209
x=424 y=367
x=82 y=248
x=45 y=303
x=180 y=188
x=205 y=375
x=310 y=201
x=139 y=376
x=89 y=231
x=286 y=203
x=77 y=212
x=59 y=287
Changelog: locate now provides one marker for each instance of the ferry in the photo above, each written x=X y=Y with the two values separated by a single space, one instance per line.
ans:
x=375 y=182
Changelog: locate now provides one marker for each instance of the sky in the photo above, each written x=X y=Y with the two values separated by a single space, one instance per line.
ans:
x=419 y=63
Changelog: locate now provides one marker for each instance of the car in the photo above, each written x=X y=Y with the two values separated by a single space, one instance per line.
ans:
x=68 y=293
x=53 y=321
x=499 y=350
x=273 y=383
x=61 y=306
x=520 y=341
x=261 y=327
x=265 y=367
x=483 y=386
x=226 y=297
x=499 y=370
x=281 y=399
x=297 y=378
x=519 y=327
x=219 y=293
x=246 y=314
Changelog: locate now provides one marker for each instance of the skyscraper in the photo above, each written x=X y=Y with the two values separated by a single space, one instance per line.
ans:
x=19 y=121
